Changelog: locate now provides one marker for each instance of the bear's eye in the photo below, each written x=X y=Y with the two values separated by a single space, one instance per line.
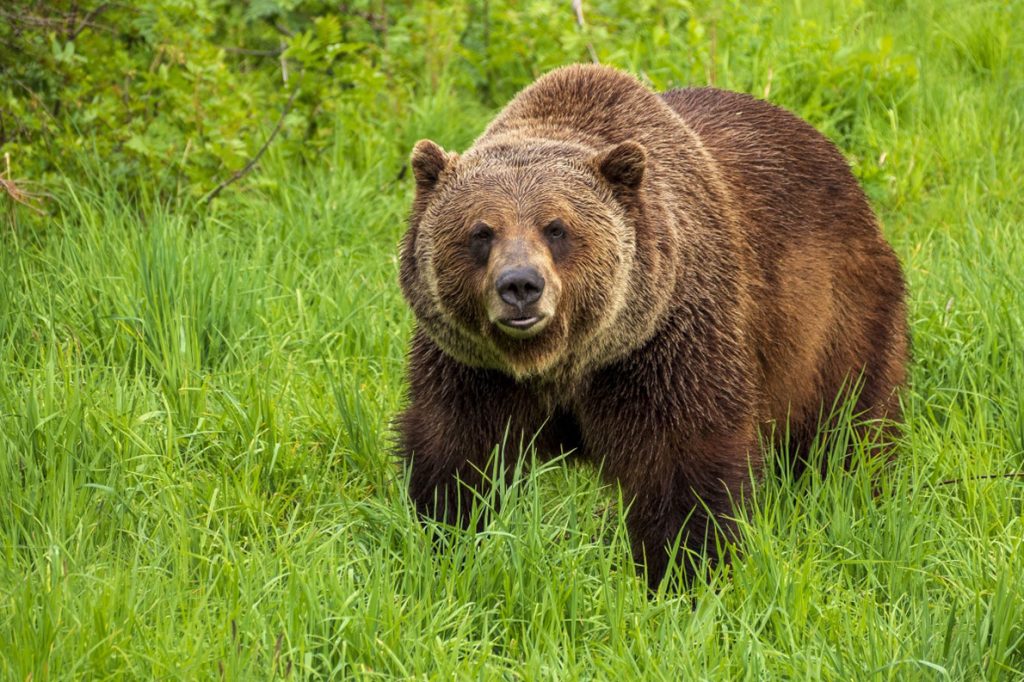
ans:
x=555 y=230
x=481 y=233
x=480 y=238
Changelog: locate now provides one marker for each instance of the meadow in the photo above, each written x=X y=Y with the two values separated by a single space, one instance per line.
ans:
x=196 y=397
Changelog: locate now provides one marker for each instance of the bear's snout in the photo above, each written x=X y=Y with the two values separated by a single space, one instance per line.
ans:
x=523 y=300
x=520 y=286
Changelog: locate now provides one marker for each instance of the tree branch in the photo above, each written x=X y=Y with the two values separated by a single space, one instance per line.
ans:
x=983 y=477
x=577 y=7
x=242 y=172
x=87 y=20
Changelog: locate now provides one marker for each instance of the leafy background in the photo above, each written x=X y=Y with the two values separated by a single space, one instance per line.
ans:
x=195 y=393
x=185 y=92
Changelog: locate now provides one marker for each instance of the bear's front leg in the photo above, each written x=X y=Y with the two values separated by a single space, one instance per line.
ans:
x=686 y=491
x=682 y=450
x=455 y=418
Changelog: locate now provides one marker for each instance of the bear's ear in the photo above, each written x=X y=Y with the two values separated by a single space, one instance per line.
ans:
x=623 y=165
x=428 y=161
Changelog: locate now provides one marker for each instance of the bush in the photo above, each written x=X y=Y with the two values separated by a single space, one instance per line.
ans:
x=174 y=97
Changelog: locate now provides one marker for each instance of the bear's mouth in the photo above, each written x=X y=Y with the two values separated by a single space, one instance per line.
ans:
x=522 y=326
x=521 y=322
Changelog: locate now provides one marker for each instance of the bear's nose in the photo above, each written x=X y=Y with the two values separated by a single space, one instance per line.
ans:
x=519 y=286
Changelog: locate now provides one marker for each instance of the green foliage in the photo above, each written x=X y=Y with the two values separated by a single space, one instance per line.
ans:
x=195 y=479
x=174 y=97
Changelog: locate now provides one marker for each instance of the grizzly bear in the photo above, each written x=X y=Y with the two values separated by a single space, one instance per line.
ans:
x=653 y=281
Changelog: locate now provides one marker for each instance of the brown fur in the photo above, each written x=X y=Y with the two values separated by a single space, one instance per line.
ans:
x=719 y=272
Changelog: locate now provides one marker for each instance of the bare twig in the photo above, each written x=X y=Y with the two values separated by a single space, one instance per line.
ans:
x=86 y=21
x=281 y=28
x=18 y=20
x=713 y=70
x=577 y=6
x=984 y=477
x=57 y=21
x=10 y=186
x=242 y=172
x=284 y=65
x=254 y=53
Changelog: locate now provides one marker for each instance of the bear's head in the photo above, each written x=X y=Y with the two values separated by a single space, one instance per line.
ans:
x=519 y=252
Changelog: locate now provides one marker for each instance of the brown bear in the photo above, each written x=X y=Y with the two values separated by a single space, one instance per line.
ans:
x=654 y=281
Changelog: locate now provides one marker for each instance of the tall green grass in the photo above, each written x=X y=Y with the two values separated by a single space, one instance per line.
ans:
x=195 y=478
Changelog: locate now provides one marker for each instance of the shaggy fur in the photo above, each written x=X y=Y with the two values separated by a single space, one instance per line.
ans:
x=709 y=268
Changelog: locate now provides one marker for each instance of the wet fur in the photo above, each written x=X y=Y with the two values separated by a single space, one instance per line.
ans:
x=744 y=284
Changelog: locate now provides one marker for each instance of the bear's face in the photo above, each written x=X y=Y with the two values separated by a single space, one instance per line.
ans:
x=517 y=259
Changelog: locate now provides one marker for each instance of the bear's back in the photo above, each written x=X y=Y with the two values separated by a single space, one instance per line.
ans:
x=789 y=174
x=828 y=289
